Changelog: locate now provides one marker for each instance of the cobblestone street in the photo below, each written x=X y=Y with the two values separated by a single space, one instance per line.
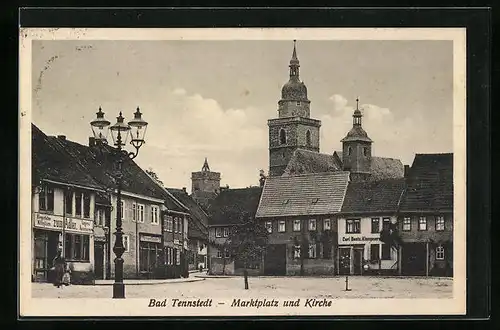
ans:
x=322 y=287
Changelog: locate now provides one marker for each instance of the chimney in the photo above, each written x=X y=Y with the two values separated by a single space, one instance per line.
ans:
x=184 y=190
x=92 y=141
x=62 y=137
x=407 y=171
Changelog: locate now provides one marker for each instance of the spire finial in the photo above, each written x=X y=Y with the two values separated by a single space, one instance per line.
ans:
x=205 y=167
x=294 y=54
x=357 y=103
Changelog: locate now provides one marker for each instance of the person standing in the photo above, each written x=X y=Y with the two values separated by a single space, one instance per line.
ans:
x=59 y=269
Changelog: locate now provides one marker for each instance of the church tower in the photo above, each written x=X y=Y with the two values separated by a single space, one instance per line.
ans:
x=293 y=129
x=357 y=149
x=205 y=184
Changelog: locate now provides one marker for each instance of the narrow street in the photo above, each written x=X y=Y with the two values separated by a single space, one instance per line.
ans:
x=310 y=287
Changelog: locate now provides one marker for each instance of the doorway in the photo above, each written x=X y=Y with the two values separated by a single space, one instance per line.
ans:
x=413 y=259
x=275 y=260
x=45 y=250
x=99 y=260
x=357 y=261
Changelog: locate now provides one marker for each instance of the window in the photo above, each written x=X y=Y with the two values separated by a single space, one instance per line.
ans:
x=374 y=251
x=226 y=232
x=219 y=254
x=140 y=213
x=68 y=201
x=353 y=226
x=422 y=223
x=281 y=226
x=77 y=247
x=296 y=225
x=282 y=136
x=175 y=224
x=312 y=251
x=327 y=224
x=296 y=251
x=386 y=252
x=148 y=256
x=78 y=204
x=386 y=223
x=100 y=217
x=168 y=223
x=218 y=232
x=86 y=205
x=226 y=253
x=122 y=209
x=375 y=225
x=178 y=257
x=269 y=226
x=134 y=212
x=46 y=199
x=308 y=138
x=365 y=151
x=298 y=102
x=155 y=215
x=440 y=253
x=181 y=224
x=439 y=223
x=407 y=224
x=349 y=151
x=312 y=224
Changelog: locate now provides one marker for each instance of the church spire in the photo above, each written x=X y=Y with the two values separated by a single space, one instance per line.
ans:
x=356 y=117
x=205 y=167
x=294 y=63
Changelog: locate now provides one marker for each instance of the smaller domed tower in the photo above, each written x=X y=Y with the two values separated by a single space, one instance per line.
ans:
x=357 y=149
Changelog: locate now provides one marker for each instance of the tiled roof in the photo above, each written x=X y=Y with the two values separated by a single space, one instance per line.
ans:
x=429 y=183
x=230 y=204
x=373 y=196
x=305 y=161
x=306 y=194
x=51 y=162
x=386 y=168
x=198 y=226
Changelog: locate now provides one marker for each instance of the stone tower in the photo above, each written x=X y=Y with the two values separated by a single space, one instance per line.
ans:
x=357 y=149
x=293 y=129
x=205 y=184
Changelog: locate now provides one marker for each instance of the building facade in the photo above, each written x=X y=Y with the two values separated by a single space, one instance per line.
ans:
x=425 y=220
x=300 y=213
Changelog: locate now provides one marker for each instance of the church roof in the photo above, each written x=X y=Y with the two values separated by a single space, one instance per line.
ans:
x=373 y=196
x=357 y=133
x=429 y=183
x=305 y=194
x=305 y=161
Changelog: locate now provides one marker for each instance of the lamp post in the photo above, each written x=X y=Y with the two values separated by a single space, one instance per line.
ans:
x=119 y=133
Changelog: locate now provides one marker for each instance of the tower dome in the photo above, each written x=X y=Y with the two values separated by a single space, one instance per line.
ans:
x=294 y=89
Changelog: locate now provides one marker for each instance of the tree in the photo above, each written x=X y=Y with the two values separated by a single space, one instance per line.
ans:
x=247 y=242
x=154 y=176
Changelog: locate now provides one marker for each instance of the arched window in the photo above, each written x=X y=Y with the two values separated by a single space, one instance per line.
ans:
x=308 y=138
x=349 y=151
x=282 y=136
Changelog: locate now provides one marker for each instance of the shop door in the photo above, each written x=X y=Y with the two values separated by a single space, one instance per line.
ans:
x=413 y=259
x=275 y=260
x=99 y=260
x=357 y=261
x=345 y=261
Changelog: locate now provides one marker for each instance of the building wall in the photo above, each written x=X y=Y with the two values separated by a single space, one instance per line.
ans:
x=291 y=108
x=175 y=241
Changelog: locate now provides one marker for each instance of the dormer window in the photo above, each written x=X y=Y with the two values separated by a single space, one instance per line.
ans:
x=282 y=136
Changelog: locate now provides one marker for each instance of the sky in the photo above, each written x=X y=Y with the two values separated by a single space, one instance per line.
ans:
x=213 y=98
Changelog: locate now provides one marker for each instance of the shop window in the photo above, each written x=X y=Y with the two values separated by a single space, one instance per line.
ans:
x=375 y=225
x=386 y=252
x=86 y=205
x=312 y=224
x=327 y=225
x=374 y=251
x=440 y=253
x=46 y=199
x=353 y=226
x=422 y=223
x=155 y=215
x=269 y=226
x=77 y=247
x=439 y=223
x=148 y=256
x=296 y=251
x=68 y=201
x=312 y=251
x=226 y=232
x=282 y=226
x=296 y=225
x=386 y=223
x=218 y=232
x=178 y=257
x=407 y=224
x=140 y=213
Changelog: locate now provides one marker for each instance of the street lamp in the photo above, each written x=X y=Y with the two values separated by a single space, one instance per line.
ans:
x=119 y=133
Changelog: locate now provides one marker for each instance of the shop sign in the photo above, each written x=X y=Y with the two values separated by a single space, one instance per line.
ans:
x=358 y=239
x=150 y=238
x=55 y=222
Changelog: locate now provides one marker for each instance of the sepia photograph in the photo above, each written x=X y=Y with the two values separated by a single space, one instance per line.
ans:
x=225 y=172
